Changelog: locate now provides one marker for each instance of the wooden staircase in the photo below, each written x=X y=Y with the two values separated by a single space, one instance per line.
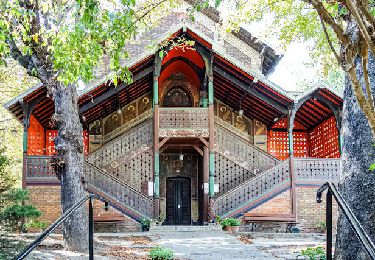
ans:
x=118 y=194
x=121 y=168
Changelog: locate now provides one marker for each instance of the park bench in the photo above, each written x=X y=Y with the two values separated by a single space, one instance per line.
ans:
x=288 y=219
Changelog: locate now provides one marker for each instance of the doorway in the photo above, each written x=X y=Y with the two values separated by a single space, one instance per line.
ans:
x=178 y=201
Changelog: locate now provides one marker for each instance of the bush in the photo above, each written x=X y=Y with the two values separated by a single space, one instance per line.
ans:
x=235 y=222
x=160 y=253
x=321 y=226
x=314 y=253
x=230 y=222
x=16 y=212
x=37 y=224
x=145 y=222
x=225 y=223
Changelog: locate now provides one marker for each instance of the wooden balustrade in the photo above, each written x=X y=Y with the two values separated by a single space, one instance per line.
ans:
x=306 y=170
x=126 y=196
x=317 y=169
x=39 y=170
x=181 y=121
x=135 y=138
x=252 y=189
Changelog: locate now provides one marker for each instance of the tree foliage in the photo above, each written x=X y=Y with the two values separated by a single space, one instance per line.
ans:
x=328 y=25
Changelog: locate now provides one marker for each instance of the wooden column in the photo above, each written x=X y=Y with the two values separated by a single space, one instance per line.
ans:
x=291 y=163
x=156 y=135
x=206 y=158
x=212 y=135
x=26 y=124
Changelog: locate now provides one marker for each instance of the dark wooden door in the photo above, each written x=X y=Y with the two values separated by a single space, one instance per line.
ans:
x=178 y=204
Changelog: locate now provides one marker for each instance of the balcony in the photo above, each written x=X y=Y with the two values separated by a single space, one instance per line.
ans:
x=39 y=170
x=183 y=122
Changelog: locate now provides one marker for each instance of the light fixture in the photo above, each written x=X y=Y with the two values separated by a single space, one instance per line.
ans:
x=240 y=112
x=275 y=119
x=181 y=157
x=83 y=118
x=255 y=80
x=119 y=111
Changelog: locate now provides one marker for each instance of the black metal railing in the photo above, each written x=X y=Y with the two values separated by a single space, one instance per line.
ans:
x=60 y=220
x=353 y=221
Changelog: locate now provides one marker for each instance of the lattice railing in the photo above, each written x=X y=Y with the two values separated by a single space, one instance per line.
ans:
x=183 y=118
x=317 y=169
x=120 y=192
x=139 y=136
x=252 y=189
x=241 y=151
x=39 y=169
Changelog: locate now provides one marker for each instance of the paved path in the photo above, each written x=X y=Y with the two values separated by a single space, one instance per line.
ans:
x=195 y=245
x=208 y=245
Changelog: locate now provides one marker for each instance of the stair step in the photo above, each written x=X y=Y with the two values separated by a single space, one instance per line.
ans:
x=185 y=228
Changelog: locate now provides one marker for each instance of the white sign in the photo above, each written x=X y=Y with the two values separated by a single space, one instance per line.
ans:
x=205 y=188
x=216 y=187
x=150 y=188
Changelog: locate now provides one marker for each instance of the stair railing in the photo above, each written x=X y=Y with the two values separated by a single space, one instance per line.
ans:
x=117 y=190
x=332 y=191
x=60 y=220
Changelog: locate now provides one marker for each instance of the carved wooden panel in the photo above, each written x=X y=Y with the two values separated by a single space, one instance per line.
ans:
x=144 y=104
x=129 y=112
x=183 y=122
x=112 y=122
x=133 y=139
x=39 y=168
x=35 y=138
x=177 y=96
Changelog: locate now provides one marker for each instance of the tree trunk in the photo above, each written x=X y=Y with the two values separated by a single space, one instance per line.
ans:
x=358 y=183
x=69 y=145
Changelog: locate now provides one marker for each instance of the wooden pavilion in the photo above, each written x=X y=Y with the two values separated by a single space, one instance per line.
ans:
x=196 y=134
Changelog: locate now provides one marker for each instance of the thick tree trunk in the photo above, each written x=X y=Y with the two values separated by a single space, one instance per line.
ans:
x=69 y=146
x=358 y=183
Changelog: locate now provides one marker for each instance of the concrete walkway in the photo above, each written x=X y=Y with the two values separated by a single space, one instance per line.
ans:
x=195 y=245
x=209 y=245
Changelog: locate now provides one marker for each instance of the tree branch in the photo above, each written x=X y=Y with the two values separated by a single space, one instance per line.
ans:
x=329 y=40
x=361 y=24
x=367 y=80
x=327 y=17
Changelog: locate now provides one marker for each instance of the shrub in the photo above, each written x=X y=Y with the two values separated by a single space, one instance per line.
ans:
x=16 y=212
x=160 y=253
x=145 y=222
x=225 y=223
x=314 y=253
x=321 y=226
x=234 y=222
x=230 y=222
x=218 y=219
x=37 y=224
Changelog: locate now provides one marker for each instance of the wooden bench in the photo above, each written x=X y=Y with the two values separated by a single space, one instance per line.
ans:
x=109 y=218
x=288 y=219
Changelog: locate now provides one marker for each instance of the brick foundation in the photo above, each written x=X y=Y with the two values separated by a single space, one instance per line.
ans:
x=47 y=200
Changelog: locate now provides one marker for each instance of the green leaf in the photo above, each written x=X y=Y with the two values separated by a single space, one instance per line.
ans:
x=372 y=167
x=161 y=54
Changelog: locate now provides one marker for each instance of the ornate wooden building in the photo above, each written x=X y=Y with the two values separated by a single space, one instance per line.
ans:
x=198 y=133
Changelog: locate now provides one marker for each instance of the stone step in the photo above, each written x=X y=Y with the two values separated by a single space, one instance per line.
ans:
x=181 y=228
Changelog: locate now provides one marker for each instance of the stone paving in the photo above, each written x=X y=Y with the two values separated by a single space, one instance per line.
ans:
x=195 y=245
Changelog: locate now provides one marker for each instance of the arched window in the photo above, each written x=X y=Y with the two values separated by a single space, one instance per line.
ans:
x=177 y=97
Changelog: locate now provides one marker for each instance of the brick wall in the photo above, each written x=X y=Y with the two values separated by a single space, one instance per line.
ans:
x=277 y=205
x=47 y=200
x=309 y=212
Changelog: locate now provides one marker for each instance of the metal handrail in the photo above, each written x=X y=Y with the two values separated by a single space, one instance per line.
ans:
x=353 y=221
x=60 y=220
